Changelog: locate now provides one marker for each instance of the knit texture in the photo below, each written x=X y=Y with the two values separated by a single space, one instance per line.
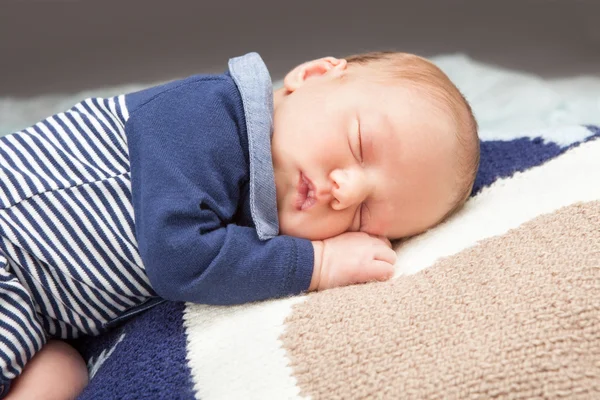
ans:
x=144 y=359
x=517 y=316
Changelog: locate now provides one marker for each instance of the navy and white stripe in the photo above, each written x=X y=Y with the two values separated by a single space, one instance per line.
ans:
x=69 y=261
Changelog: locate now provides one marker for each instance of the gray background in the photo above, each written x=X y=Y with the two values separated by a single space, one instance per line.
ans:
x=66 y=46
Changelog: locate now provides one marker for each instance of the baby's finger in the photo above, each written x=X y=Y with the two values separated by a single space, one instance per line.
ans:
x=375 y=270
x=386 y=254
x=383 y=239
x=379 y=271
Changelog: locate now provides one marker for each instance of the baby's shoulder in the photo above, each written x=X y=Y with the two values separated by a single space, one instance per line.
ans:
x=197 y=93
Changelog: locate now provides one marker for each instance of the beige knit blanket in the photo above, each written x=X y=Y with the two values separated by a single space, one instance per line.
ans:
x=518 y=315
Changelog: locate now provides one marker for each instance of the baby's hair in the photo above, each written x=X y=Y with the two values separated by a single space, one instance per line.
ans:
x=421 y=73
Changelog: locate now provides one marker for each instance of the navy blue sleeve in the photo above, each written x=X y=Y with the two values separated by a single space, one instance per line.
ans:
x=187 y=170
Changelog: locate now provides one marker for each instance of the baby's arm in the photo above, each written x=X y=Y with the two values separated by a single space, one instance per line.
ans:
x=188 y=173
x=353 y=257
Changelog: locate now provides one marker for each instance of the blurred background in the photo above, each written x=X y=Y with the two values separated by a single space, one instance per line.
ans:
x=50 y=48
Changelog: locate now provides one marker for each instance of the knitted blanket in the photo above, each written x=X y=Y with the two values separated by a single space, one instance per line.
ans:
x=500 y=301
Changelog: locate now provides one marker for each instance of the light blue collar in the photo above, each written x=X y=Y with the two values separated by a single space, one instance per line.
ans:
x=252 y=78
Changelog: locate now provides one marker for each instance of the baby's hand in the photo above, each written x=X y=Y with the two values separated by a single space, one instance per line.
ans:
x=352 y=257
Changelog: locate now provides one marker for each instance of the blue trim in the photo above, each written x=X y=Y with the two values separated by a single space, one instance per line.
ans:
x=254 y=83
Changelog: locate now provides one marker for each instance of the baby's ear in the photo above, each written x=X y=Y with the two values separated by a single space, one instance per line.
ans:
x=299 y=75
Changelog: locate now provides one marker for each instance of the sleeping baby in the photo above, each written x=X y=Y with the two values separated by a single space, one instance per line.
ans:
x=215 y=190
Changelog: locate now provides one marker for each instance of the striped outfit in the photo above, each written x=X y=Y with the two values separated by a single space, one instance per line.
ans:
x=66 y=231
x=189 y=162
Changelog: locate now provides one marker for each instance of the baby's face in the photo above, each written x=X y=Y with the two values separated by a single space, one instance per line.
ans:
x=354 y=155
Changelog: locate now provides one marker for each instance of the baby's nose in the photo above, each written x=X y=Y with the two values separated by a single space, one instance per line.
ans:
x=348 y=188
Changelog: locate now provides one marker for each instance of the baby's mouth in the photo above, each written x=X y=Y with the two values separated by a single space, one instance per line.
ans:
x=306 y=193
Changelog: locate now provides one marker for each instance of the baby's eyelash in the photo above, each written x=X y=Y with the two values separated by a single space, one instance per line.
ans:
x=360 y=215
x=360 y=149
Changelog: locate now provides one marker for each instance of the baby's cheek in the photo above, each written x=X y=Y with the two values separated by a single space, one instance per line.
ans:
x=305 y=226
x=333 y=225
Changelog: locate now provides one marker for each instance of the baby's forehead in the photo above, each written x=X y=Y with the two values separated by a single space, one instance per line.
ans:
x=417 y=110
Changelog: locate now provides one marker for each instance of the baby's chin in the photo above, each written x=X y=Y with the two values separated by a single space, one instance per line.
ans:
x=305 y=230
x=299 y=232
